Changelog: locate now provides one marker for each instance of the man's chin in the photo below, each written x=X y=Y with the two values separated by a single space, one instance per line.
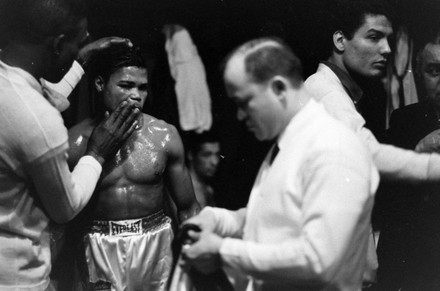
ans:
x=372 y=73
x=209 y=177
x=259 y=137
x=377 y=73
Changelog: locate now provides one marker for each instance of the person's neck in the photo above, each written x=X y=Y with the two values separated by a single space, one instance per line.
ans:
x=25 y=57
x=297 y=102
x=196 y=178
x=361 y=81
x=336 y=60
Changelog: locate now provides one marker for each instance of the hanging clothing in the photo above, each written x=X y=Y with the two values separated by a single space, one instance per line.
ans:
x=401 y=85
x=186 y=67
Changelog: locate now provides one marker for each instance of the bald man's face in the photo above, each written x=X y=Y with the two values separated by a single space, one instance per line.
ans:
x=257 y=105
x=430 y=71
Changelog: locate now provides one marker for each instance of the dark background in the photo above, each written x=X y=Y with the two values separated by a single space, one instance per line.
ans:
x=216 y=27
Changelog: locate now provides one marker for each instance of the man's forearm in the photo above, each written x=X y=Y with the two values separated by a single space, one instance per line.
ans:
x=64 y=194
x=188 y=213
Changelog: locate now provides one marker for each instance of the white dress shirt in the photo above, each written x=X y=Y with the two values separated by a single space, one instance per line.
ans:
x=307 y=222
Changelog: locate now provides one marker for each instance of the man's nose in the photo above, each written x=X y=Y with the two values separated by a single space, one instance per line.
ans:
x=215 y=160
x=135 y=94
x=240 y=114
x=386 y=49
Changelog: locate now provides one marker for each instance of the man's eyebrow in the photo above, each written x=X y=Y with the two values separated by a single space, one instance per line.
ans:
x=131 y=82
x=126 y=81
x=374 y=30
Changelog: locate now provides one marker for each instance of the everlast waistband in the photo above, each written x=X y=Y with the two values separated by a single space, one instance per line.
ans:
x=130 y=226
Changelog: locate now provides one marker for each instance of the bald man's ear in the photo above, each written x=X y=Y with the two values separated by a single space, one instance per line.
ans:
x=279 y=87
x=339 y=41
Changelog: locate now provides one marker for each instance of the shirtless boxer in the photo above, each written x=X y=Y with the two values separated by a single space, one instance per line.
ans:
x=128 y=243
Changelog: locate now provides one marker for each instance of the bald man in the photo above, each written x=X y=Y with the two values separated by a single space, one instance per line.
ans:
x=303 y=229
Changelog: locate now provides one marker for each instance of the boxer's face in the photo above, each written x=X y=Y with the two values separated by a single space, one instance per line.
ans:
x=126 y=83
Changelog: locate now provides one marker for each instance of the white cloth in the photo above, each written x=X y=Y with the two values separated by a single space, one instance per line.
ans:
x=34 y=174
x=392 y=162
x=402 y=89
x=193 y=98
x=58 y=93
x=303 y=229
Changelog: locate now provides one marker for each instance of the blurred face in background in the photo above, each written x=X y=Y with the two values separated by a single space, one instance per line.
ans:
x=67 y=48
x=205 y=161
x=429 y=70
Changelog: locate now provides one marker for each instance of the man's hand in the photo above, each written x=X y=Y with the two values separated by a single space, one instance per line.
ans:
x=89 y=49
x=430 y=143
x=203 y=254
x=108 y=136
x=205 y=220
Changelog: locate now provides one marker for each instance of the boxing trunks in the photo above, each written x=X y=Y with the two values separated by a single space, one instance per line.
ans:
x=130 y=254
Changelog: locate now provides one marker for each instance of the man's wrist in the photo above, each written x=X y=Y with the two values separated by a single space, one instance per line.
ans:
x=83 y=62
x=97 y=157
x=218 y=243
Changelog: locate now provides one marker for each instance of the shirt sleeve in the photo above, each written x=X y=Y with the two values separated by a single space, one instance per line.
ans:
x=69 y=81
x=335 y=224
x=393 y=163
x=396 y=163
x=63 y=193
x=228 y=223
x=57 y=94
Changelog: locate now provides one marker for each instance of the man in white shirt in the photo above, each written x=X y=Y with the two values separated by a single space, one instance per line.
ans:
x=303 y=229
x=35 y=182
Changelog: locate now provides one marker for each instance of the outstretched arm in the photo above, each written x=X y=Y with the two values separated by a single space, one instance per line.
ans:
x=178 y=180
